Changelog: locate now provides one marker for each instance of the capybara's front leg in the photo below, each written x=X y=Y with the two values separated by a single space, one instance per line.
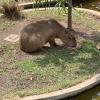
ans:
x=52 y=42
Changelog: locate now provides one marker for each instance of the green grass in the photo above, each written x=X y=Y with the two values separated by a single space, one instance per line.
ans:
x=61 y=14
x=3 y=1
x=53 y=12
x=5 y=23
x=60 y=68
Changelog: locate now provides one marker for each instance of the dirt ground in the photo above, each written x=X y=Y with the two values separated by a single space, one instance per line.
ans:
x=9 y=79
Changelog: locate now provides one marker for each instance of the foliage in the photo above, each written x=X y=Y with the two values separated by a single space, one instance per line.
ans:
x=61 y=3
x=11 y=10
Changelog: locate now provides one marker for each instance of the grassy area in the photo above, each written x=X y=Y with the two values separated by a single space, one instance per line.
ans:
x=58 y=68
x=57 y=13
x=61 y=14
x=5 y=23
x=3 y=1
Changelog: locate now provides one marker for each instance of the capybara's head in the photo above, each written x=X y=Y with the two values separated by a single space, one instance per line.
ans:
x=69 y=40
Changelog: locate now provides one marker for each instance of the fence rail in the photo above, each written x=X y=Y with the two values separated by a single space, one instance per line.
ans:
x=38 y=4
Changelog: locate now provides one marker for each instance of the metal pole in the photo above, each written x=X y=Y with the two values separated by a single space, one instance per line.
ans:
x=70 y=14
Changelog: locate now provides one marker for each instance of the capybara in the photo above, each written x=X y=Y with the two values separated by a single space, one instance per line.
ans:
x=35 y=35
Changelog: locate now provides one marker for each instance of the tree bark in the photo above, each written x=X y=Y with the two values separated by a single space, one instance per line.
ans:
x=70 y=14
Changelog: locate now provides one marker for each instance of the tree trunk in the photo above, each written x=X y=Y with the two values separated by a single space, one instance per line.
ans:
x=70 y=14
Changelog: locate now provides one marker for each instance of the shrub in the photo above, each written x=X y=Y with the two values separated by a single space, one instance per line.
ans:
x=11 y=10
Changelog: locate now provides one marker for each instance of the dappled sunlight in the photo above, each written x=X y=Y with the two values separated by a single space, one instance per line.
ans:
x=84 y=56
x=62 y=67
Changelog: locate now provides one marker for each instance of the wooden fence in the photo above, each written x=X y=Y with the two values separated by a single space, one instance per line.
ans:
x=39 y=3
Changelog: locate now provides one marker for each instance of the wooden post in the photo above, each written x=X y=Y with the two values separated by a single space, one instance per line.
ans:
x=70 y=14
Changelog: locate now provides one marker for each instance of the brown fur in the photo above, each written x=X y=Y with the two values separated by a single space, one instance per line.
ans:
x=35 y=35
